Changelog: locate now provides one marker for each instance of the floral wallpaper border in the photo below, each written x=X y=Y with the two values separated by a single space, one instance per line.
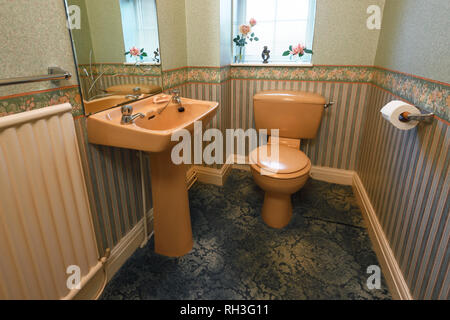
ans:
x=428 y=95
x=316 y=73
x=225 y=73
x=40 y=99
x=213 y=75
x=174 y=78
x=205 y=75
x=122 y=69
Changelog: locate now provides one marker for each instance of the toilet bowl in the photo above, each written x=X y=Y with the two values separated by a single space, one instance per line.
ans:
x=280 y=168
x=279 y=179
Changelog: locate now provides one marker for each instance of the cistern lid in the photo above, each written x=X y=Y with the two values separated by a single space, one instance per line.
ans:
x=277 y=96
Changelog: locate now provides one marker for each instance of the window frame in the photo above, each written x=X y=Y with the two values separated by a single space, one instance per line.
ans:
x=239 y=16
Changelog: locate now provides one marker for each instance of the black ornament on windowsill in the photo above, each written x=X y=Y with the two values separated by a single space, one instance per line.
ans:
x=156 y=55
x=265 y=55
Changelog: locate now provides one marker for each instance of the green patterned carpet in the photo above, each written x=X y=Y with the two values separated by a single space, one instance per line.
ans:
x=322 y=254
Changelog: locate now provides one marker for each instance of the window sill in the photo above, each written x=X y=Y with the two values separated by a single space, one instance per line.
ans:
x=273 y=64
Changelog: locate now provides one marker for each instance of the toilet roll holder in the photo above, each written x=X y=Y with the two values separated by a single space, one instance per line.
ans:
x=424 y=117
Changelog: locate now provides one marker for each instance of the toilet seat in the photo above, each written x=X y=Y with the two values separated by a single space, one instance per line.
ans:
x=291 y=163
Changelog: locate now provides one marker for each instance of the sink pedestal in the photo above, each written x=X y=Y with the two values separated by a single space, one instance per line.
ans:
x=171 y=216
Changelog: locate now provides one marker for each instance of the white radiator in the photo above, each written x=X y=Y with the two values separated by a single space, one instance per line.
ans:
x=45 y=220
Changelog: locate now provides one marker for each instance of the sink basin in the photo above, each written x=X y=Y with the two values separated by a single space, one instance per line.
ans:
x=152 y=134
x=145 y=134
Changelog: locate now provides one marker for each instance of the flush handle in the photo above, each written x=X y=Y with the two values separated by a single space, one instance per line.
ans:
x=329 y=104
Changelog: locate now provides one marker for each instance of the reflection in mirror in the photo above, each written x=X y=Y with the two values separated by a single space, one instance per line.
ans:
x=116 y=44
x=140 y=31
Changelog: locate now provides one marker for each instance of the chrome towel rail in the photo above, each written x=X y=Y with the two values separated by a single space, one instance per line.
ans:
x=54 y=74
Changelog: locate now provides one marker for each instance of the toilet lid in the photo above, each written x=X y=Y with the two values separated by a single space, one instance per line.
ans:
x=290 y=160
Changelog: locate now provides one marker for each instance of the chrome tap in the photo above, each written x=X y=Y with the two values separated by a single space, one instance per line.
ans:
x=176 y=98
x=127 y=115
x=136 y=94
x=133 y=97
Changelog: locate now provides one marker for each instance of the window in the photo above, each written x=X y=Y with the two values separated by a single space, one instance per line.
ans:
x=140 y=26
x=280 y=23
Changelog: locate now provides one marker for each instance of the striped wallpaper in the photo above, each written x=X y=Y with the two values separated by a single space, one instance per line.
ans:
x=213 y=92
x=406 y=174
x=220 y=92
x=338 y=139
x=114 y=186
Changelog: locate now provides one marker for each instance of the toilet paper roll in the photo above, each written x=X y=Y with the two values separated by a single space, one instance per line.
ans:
x=392 y=111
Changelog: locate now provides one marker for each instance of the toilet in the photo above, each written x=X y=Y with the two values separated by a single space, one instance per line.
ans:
x=297 y=115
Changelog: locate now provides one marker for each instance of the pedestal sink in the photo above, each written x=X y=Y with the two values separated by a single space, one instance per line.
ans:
x=152 y=134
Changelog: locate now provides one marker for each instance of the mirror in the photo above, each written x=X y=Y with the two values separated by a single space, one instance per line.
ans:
x=116 y=45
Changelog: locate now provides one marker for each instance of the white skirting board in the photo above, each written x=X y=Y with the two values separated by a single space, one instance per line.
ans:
x=127 y=246
x=191 y=177
x=331 y=175
x=391 y=270
x=213 y=176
